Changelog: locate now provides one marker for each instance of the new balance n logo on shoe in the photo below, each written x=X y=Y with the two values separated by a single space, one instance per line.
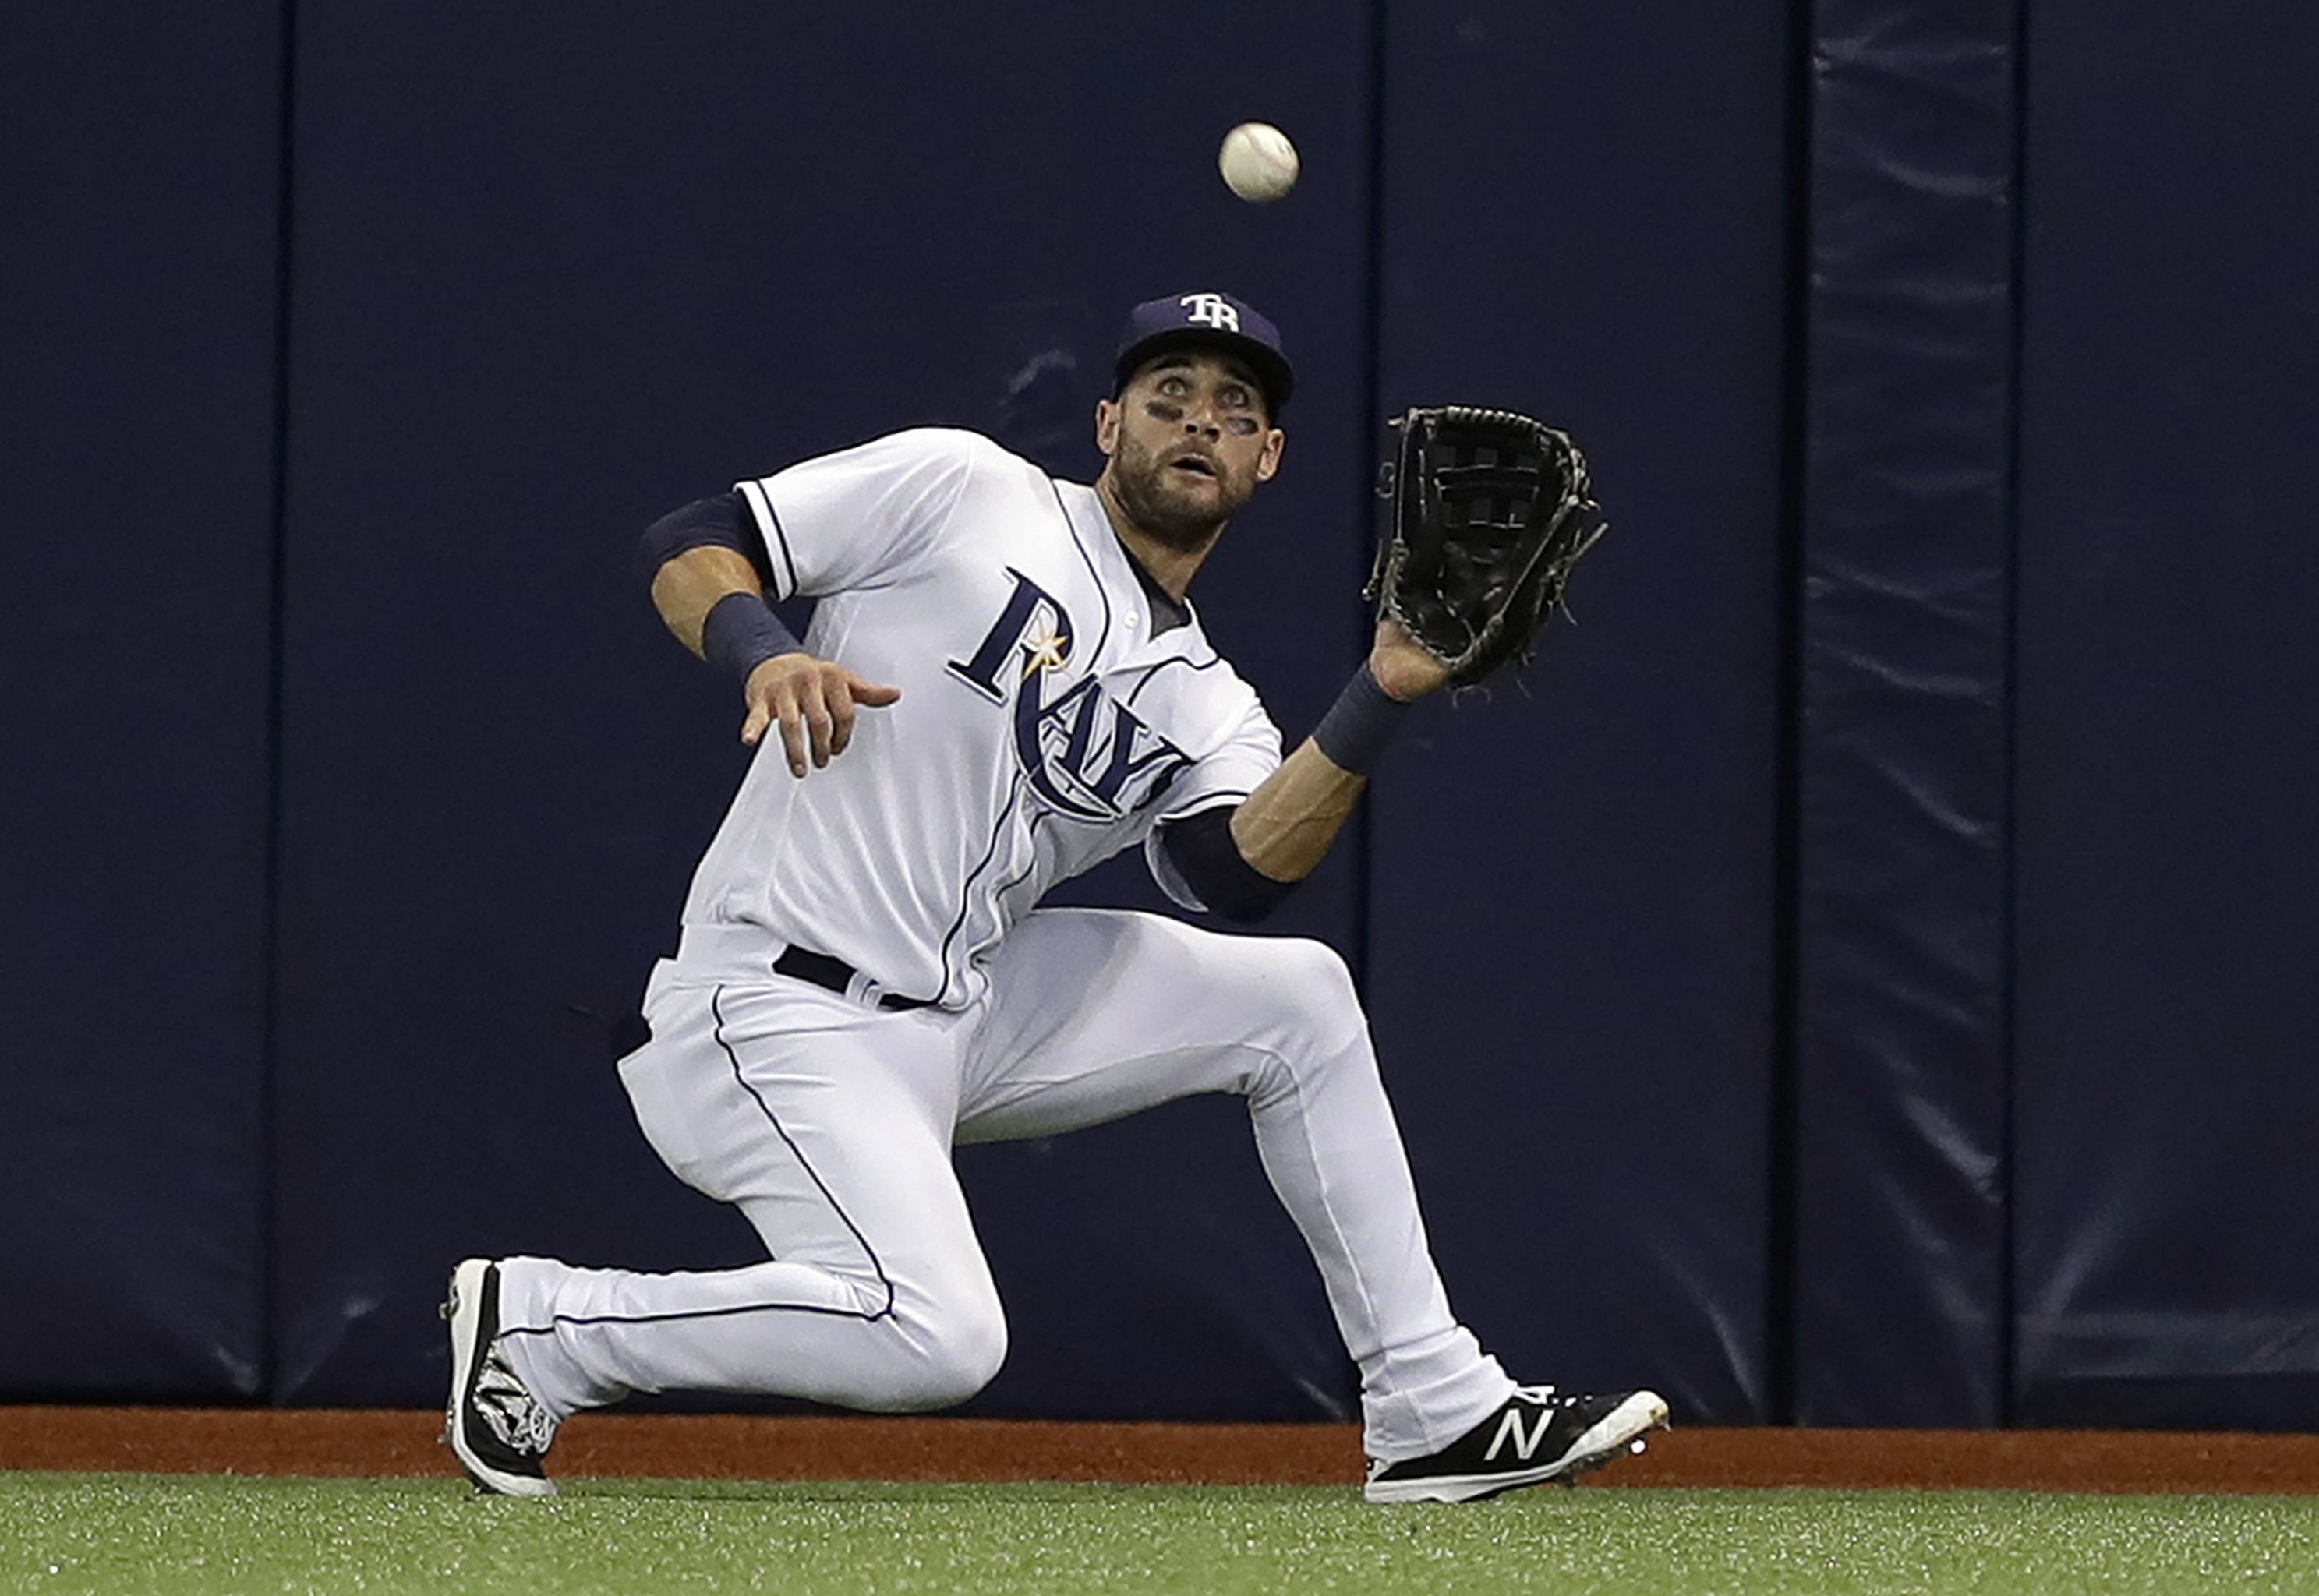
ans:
x=1510 y=1428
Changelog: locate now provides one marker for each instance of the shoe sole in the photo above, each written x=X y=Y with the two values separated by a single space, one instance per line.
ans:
x=1617 y=1433
x=463 y=1310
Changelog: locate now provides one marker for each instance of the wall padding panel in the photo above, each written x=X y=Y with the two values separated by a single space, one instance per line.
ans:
x=1572 y=959
x=137 y=380
x=2166 y=1208
x=1902 y=788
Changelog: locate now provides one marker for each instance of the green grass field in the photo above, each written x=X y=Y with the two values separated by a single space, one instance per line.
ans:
x=130 y=1533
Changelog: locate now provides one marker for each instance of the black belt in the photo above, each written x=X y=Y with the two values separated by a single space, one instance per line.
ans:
x=836 y=975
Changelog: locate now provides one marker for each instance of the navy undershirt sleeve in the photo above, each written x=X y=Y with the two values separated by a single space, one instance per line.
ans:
x=1200 y=848
x=721 y=521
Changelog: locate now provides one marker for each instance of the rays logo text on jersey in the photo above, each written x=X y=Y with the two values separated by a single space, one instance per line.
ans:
x=1086 y=754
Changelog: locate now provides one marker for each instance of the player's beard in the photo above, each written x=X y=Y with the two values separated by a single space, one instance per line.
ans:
x=1161 y=507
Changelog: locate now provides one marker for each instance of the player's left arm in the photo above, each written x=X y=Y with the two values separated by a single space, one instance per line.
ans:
x=1286 y=825
x=1245 y=866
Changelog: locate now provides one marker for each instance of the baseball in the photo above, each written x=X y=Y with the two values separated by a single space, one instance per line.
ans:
x=1258 y=162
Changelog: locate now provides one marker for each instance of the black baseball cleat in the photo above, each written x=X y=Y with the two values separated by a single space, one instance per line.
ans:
x=493 y=1423
x=1539 y=1435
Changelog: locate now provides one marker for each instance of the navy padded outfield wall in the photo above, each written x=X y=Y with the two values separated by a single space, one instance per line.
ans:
x=1571 y=971
x=1901 y=788
x=2166 y=1197
x=137 y=379
x=1861 y=975
x=562 y=268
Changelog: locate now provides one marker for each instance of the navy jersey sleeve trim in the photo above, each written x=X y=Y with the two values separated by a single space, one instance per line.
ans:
x=784 y=581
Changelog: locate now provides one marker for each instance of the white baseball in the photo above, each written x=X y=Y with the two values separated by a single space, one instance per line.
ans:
x=1258 y=162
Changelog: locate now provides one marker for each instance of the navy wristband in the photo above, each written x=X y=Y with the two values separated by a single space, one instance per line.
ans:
x=742 y=634
x=1360 y=724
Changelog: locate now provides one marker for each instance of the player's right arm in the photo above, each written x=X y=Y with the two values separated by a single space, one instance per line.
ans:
x=709 y=592
x=828 y=525
x=688 y=585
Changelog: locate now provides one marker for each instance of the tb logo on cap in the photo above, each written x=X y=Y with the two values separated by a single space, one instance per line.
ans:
x=1211 y=310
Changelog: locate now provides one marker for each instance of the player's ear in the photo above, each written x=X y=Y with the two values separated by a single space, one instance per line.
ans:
x=1269 y=462
x=1106 y=426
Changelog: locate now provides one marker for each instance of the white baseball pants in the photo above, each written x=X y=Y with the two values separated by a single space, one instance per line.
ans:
x=830 y=1125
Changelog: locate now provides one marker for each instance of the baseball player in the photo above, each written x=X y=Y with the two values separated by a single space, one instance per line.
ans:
x=1003 y=684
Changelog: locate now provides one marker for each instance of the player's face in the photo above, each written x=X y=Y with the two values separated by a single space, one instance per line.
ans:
x=1189 y=440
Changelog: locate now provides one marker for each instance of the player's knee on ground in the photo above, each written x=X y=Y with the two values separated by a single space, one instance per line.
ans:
x=954 y=1350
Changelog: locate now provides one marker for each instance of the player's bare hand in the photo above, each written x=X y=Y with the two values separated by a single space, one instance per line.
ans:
x=1401 y=665
x=813 y=702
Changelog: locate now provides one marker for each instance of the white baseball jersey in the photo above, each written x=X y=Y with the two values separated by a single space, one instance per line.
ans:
x=1043 y=727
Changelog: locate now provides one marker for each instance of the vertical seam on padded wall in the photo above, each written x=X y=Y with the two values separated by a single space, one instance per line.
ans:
x=276 y=607
x=1781 y=1277
x=2008 y=927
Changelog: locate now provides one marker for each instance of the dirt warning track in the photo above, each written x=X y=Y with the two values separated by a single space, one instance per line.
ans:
x=400 y=1442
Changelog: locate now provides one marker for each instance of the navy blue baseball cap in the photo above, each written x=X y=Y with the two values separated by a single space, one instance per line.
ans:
x=1206 y=321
